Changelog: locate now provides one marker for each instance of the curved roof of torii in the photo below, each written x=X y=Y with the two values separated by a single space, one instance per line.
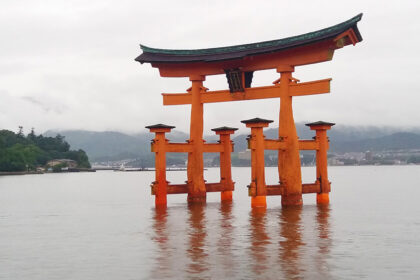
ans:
x=153 y=55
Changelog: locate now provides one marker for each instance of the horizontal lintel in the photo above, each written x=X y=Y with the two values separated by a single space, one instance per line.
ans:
x=188 y=147
x=213 y=148
x=219 y=187
x=177 y=189
x=210 y=187
x=273 y=144
x=306 y=188
x=311 y=188
x=308 y=145
x=178 y=147
x=176 y=98
x=275 y=189
x=307 y=88
x=270 y=144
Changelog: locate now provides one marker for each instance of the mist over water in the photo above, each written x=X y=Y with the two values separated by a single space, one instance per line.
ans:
x=104 y=225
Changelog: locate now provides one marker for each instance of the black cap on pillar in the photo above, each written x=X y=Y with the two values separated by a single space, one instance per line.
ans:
x=160 y=128
x=223 y=128
x=320 y=125
x=256 y=120
x=159 y=125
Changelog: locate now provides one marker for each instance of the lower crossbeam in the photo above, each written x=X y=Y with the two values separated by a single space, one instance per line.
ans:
x=210 y=187
x=306 y=188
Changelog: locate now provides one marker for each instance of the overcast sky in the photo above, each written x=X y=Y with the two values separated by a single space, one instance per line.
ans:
x=70 y=64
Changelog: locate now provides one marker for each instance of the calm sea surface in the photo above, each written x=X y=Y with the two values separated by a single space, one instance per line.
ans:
x=103 y=225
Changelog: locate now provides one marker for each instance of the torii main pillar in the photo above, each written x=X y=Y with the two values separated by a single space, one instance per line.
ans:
x=195 y=167
x=289 y=158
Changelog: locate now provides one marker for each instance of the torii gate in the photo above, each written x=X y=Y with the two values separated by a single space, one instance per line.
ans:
x=238 y=64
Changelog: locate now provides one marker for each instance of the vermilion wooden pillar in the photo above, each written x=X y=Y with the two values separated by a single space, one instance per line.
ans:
x=288 y=159
x=257 y=189
x=322 y=160
x=196 y=184
x=225 y=160
x=159 y=186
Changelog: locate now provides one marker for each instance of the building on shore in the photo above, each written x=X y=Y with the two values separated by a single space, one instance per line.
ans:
x=67 y=162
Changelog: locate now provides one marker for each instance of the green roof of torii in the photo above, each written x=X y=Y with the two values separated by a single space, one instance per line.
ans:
x=238 y=51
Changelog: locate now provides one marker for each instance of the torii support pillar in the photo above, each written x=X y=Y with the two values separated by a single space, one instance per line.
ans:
x=159 y=186
x=322 y=160
x=225 y=160
x=258 y=188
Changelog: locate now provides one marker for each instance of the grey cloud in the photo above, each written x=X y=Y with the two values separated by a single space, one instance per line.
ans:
x=74 y=60
x=55 y=108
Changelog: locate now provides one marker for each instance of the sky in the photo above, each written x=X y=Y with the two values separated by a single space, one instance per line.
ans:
x=70 y=64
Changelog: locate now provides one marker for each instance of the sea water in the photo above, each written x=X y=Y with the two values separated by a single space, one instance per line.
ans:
x=104 y=225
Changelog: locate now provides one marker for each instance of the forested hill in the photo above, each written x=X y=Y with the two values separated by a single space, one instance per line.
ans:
x=104 y=146
x=22 y=153
x=111 y=145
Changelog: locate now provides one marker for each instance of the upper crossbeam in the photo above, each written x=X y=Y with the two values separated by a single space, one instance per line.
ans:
x=299 y=89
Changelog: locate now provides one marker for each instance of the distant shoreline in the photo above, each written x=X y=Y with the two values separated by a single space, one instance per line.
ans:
x=7 y=173
x=3 y=173
x=72 y=170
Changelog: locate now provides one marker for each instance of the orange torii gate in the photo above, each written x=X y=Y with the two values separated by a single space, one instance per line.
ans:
x=238 y=63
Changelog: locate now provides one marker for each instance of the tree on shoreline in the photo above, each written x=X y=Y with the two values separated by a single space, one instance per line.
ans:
x=20 y=153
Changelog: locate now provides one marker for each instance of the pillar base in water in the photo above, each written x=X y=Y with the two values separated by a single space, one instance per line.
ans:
x=291 y=200
x=196 y=199
x=160 y=201
x=322 y=198
x=258 y=201
x=226 y=196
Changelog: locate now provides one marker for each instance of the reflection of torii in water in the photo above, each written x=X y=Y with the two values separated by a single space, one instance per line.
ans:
x=238 y=64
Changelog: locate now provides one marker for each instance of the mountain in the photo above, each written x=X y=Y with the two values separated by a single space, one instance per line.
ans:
x=395 y=141
x=337 y=135
x=109 y=145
